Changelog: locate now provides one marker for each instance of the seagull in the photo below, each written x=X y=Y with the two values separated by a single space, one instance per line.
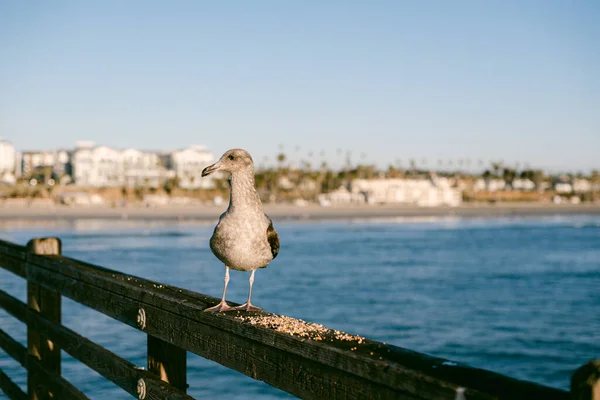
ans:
x=244 y=238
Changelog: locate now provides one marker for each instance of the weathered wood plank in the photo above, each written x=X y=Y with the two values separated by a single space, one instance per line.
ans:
x=12 y=258
x=10 y=388
x=585 y=381
x=114 y=368
x=13 y=348
x=50 y=246
x=371 y=363
x=12 y=264
x=21 y=311
x=57 y=385
x=167 y=361
x=48 y=303
x=13 y=306
x=13 y=250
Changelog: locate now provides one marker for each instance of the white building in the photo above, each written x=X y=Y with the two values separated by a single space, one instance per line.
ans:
x=57 y=160
x=523 y=184
x=582 y=186
x=98 y=166
x=142 y=168
x=341 y=196
x=494 y=185
x=563 y=187
x=7 y=162
x=480 y=185
x=7 y=156
x=422 y=192
x=491 y=185
x=188 y=164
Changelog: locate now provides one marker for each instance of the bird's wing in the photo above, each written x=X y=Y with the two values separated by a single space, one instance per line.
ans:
x=273 y=239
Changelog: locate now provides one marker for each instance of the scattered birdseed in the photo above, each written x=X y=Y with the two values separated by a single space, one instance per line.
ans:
x=298 y=327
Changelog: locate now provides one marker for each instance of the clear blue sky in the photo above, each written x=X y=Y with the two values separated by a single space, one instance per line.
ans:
x=517 y=81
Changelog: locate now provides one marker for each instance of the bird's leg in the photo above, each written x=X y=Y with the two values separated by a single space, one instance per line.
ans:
x=247 y=306
x=222 y=306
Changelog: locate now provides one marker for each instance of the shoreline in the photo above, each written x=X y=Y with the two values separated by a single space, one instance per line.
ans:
x=289 y=212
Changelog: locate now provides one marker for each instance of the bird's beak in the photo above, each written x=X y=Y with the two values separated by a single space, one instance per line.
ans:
x=211 y=168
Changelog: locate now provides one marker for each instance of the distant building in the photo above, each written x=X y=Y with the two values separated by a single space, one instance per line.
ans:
x=32 y=161
x=422 y=192
x=98 y=166
x=142 y=168
x=582 y=186
x=523 y=184
x=7 y=162
x=7 y=156
x=341 y=196
x=188 y=164
x=494 y=185
x=285 y=183
x=480 y=185
x=563 y=187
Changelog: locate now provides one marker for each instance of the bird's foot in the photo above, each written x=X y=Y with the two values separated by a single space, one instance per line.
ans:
x=222 y=306
x=246 y=307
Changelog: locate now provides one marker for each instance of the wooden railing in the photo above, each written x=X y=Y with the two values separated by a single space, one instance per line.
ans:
x=321 y=364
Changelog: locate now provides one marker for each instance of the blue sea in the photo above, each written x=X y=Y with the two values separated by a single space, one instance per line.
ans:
x=519 y=296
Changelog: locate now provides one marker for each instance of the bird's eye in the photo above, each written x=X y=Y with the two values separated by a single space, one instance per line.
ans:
x=231 y=157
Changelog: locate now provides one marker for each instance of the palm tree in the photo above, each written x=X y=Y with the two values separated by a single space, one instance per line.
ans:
x=281 y=159
x=496 y=166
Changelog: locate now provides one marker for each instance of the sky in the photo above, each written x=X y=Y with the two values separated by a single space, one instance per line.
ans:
x=387 y=81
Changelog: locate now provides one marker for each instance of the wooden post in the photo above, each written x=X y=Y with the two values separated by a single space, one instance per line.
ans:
x=48 y=303
x=585 y=382
x=167 y=361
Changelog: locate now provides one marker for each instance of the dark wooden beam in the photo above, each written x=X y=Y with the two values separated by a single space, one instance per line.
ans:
x=55 y=384
x=10 y=388
x=12 y=258
x=114 y=368
x=585 y=381
x=14 y=307
x=13 y=348
x=13 y=250
x=48 y=303
x=168 y=361
x=12 y=264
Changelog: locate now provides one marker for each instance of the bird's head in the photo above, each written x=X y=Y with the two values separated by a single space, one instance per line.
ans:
x=234 y=160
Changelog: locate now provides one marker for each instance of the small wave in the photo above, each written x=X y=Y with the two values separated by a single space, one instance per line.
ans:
x=585 y=225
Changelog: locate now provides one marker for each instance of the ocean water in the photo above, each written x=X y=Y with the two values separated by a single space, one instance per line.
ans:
x=519 y=296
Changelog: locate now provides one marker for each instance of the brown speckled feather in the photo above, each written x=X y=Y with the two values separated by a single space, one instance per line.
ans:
x=273 y=239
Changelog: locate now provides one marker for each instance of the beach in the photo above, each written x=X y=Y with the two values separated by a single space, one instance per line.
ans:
x=291 y=212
